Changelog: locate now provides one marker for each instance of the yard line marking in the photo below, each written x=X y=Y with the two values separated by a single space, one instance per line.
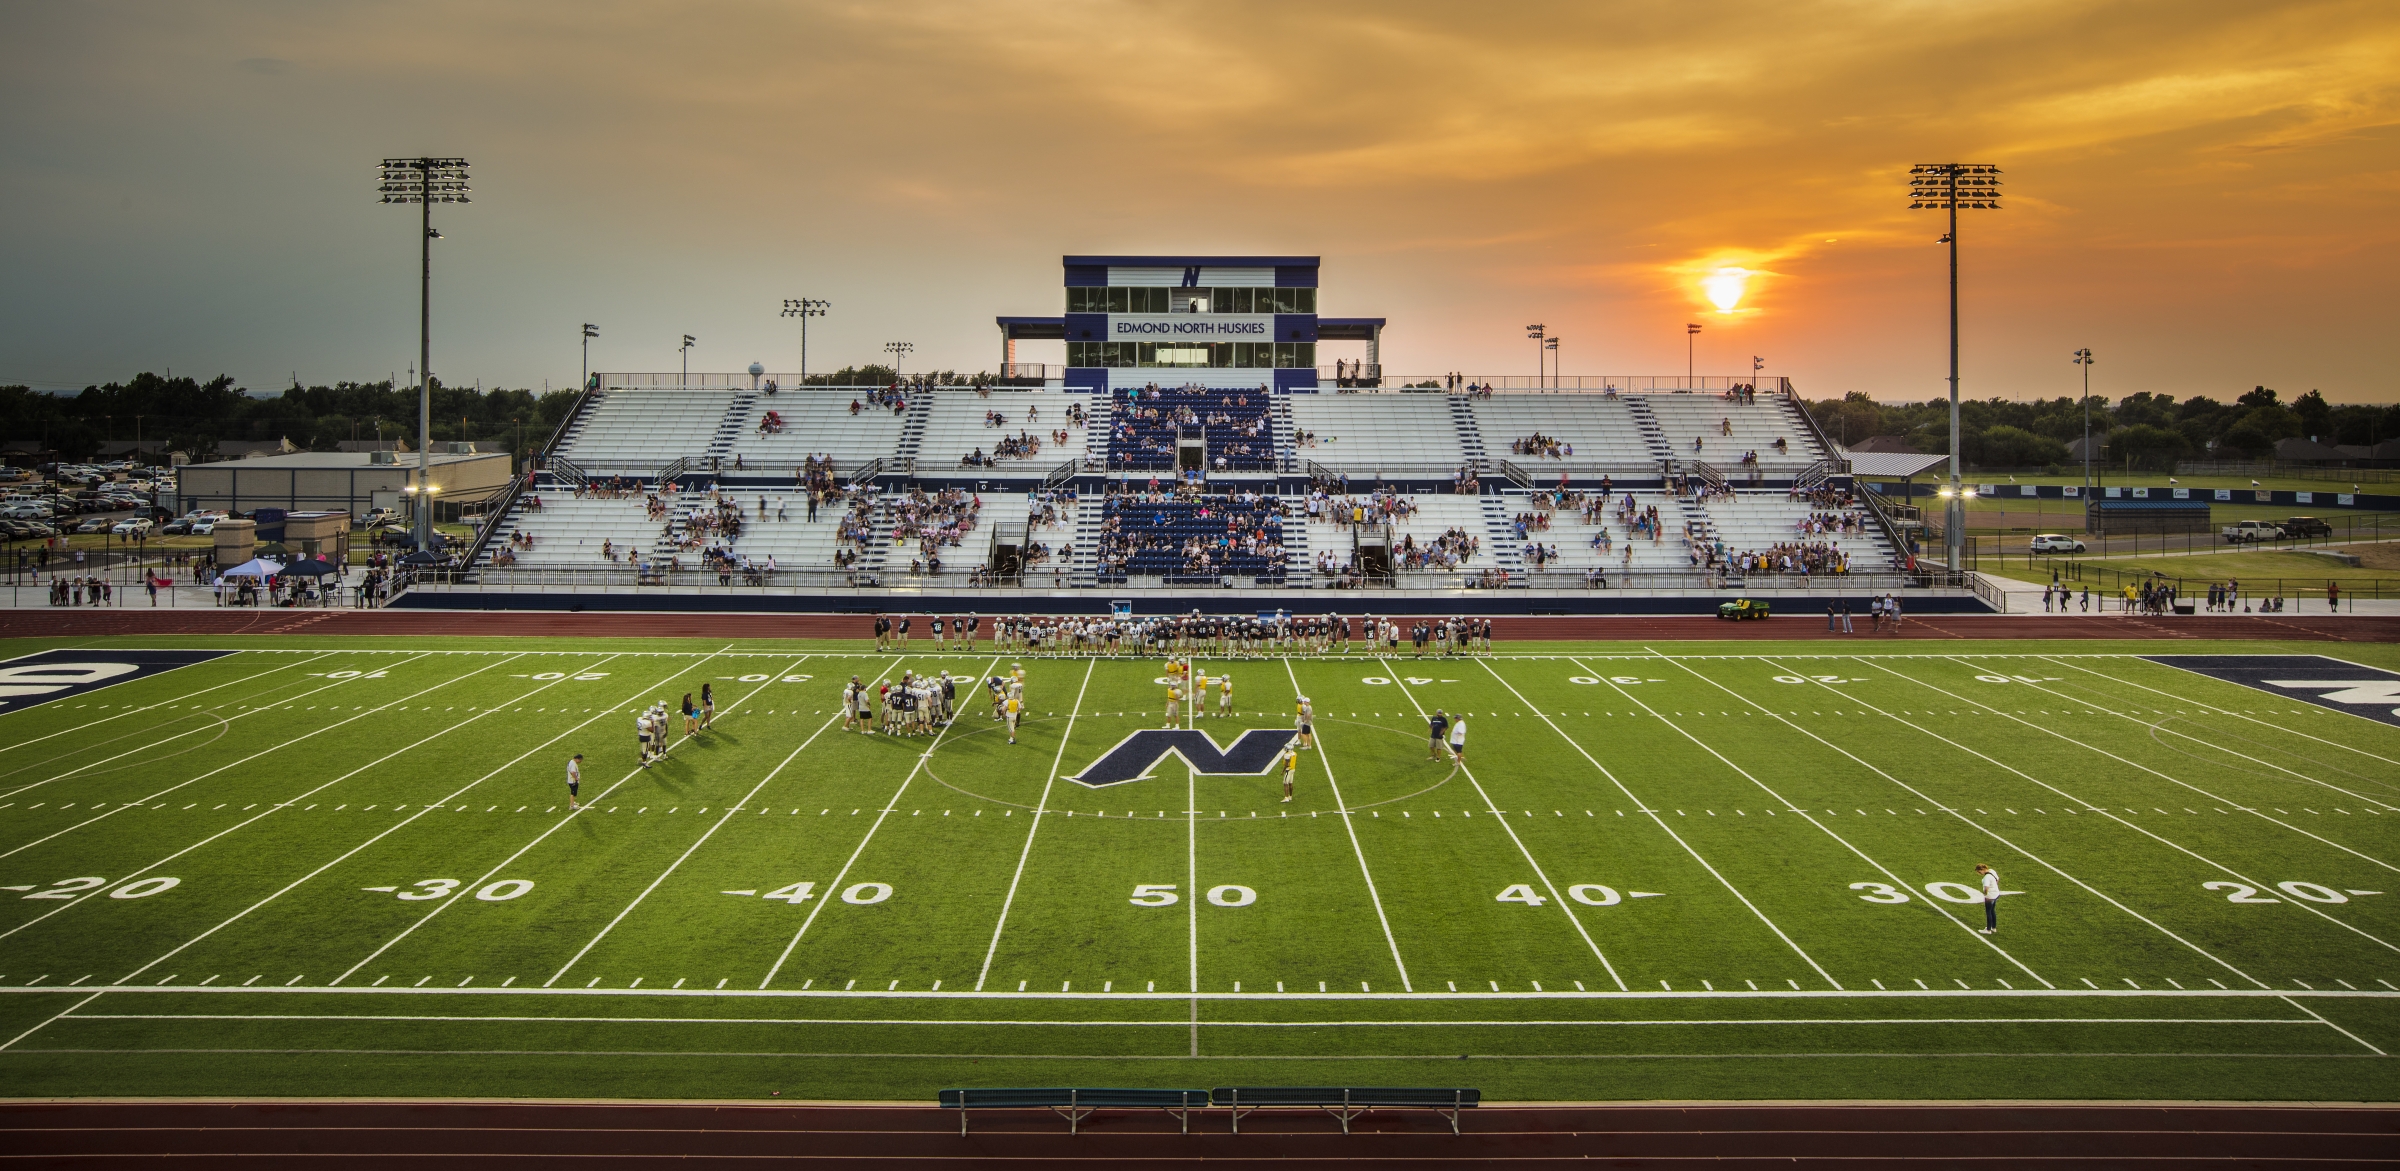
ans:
x=1511 y=831
x=1661 y=822
x=271 y=806
x=2144 y=831
x=2003 y=840
x=1886 y=871
x=2244 y=716
x=554 y=827
x=728 y=815
x=2173 y=781
x=1041 y=806
x=248 y=711
x=2336 y=1028
x=62 y=1012
x=151 y=707
x=2161 y=727
x=395 y=827
x=880 y=815
x=1324 y=759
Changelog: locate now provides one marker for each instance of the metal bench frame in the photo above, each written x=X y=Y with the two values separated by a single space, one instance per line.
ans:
x=1343 y=1109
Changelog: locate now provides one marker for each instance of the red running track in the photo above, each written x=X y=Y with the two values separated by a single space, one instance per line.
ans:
x=404 y=1134
x=71 y=623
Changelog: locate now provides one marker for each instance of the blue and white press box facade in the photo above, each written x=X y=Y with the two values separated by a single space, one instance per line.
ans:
x=1217 y=321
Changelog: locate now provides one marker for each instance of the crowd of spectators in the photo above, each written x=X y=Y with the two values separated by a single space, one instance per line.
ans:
x=1180 y=531
x=1147 y=421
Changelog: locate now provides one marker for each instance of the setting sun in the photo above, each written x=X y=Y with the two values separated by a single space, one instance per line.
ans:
x=1726 y=286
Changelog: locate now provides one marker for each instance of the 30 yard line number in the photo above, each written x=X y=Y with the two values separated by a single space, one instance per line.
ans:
x=429 y=889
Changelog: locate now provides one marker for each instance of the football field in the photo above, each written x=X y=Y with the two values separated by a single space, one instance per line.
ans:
x=1743 y=869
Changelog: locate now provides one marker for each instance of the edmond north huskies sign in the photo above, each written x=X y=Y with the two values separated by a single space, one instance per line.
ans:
x=2329 y=683
x=1134 y=756
x=50 y=676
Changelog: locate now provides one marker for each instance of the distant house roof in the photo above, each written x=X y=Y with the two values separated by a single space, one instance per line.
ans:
x=1893 y=444
x=371 y=445
x=126 y=446
x=2306 y=450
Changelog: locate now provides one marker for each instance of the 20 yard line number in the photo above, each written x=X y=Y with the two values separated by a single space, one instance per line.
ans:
x=70 y=888
x=2242 y=892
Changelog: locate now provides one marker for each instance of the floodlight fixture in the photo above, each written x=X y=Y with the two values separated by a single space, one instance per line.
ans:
x=1691 y=346
x=1535 y=332
x=804 y=308
x=1952 y=188
x=424 y=181
x=686 y=350
x=590 y=331
x=1550 y=343
x=898 y=351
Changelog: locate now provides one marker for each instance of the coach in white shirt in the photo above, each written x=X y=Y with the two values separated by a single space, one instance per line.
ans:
x=1991 y=899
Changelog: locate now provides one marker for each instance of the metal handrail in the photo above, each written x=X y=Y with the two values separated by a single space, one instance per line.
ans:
x=1516 y=475
x=1059 y=475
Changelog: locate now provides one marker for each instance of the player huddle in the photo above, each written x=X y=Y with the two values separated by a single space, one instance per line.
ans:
x=914 y=705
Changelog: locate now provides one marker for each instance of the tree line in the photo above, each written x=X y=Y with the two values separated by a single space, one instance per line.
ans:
x=187 y=415
x=2145 y=431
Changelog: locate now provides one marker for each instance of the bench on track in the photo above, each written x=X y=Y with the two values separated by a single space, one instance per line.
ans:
x=1075 y=1103
x=1344 y=1103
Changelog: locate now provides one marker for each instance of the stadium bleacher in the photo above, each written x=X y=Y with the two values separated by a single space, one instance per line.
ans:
x=752 y=445
x=1236 y=424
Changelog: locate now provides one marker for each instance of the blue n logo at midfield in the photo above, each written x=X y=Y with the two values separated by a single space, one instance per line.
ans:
x=1134 y=756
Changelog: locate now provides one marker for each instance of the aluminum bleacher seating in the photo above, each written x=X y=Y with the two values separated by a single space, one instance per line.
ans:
x=1601 y=430
x=1756 y=425
x=815 y=422
x=636 y=432
x=1192 y=538
x=1362 y=433
x=959 y=426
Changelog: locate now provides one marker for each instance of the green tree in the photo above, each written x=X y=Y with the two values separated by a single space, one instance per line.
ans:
x=2147 y=447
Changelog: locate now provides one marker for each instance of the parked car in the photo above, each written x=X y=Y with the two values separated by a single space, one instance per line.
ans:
x=1742 y=610
x=2056 y=543
x=2252 y=530
x=2306 y=526
x=136 y=527
x=98 y=524
x=203 y=527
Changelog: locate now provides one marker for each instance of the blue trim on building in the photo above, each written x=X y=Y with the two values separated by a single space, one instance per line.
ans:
x=1086 y=327
x=1086 y=378
x=1290 y=379
x=1295 y=327
x=1296 y=276
x=1086 y=276
x=1107 y=262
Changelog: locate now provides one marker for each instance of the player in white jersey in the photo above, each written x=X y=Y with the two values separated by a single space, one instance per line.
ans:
x=1225 y=695
x=641 y=733
x=1305 y=718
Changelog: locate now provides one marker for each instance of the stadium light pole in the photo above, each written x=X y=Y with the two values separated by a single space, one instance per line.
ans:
x=1551 y=344
x=2083 y=358
x=1951 y=187
x=1535 y=332
x=424 y=182
x=686 y=351
x=1691 y=347
x=590 y=331
x=804 y=308
x=898 y=350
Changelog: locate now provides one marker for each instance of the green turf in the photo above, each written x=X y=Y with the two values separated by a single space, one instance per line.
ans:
x=1667 y=871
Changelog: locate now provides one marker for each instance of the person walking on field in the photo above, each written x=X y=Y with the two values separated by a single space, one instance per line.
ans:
x=1458 y=740
x=1437 y=723
x=1991 y=899
x=574 y=780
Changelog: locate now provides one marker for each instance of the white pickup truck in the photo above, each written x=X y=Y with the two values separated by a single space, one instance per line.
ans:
x=2252 y=530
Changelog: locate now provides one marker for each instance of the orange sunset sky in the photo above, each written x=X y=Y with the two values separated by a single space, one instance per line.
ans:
x=2203 y=192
